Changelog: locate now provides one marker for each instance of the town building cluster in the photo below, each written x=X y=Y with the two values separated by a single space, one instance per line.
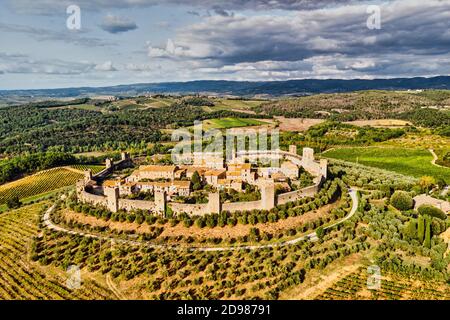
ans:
x=165 y=182
x=212 y=169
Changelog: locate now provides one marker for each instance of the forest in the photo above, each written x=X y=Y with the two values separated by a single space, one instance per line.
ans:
x=36 y=129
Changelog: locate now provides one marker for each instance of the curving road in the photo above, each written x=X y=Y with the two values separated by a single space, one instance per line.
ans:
x=311 y=236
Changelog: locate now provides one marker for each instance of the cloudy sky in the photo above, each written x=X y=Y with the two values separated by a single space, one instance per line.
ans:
x=135 y=41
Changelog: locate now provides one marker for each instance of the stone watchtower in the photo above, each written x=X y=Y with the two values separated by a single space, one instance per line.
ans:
x=124 y=156
x=112 y=199
x=308 y=155
x=109 y=163
x=293 y=149
x=161 y=202
x=268 y=196
x=214 y=205
x=87 y=176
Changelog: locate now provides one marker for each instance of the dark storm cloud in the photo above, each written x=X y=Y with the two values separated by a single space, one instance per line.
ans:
x=335 y=40
x=307 y=34
x=114 y=24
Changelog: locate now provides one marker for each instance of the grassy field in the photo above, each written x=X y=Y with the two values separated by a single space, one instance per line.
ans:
x=411 y=162
x=422 y=140
x=23 y=279
x=236 y=105
x=226 y=123
x=39 y=183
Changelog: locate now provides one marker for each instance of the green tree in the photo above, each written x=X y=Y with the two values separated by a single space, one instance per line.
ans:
x=427 y=242
x=420 y=228
x=402 y=200
x=426 y=182
x=196 y=181
x=320 y=232
x=13 y=203
x=428 y=210
x=411 y=229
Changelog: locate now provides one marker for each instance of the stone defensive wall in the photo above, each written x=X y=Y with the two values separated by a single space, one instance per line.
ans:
x=90 y=198
x=298 y=194
x=307 y=161
x=242 y=206
x=269 y=200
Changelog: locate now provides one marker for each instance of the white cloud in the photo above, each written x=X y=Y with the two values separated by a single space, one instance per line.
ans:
x=106 y=66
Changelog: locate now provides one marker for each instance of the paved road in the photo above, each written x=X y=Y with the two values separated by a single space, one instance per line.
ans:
x=311 y=236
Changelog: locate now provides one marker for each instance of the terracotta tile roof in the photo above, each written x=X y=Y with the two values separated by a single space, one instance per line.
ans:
x=129 y=184
x=111 y=183
x=289 y=165
x=215 y=172
x=153 y=168
x=182 y=184
x=228 y=181
x=239 y=166
x=200 y=170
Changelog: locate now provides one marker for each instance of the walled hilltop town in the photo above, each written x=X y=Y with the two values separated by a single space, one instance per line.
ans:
x=167 y=182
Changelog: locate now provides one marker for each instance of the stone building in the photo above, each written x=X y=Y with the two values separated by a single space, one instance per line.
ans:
x=241 y=171
x=223 y=184
x=212 y=176
x=211 y=160
x=154 y=172
x=290 y=170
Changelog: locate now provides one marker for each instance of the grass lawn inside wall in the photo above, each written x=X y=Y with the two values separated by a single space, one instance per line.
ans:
x=411 y=162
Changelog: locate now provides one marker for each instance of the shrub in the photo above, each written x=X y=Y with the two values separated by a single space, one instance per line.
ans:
x=231 y=221
x=402 y=200
x=432 y=212
x=320 y=232
x=13 y=203
x=200 y=222
x=187 y=222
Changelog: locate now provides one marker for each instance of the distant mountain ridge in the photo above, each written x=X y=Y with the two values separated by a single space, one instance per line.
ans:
x=243 y=88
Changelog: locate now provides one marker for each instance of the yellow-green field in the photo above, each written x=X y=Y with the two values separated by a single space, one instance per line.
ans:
x=411 y=162
x=23 y=279
x=226 y=123
x=39 y=183
x=236 y=105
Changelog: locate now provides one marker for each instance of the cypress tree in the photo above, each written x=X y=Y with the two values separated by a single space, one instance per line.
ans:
x=427 y=242
x=412 y=229
x=420 y=228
